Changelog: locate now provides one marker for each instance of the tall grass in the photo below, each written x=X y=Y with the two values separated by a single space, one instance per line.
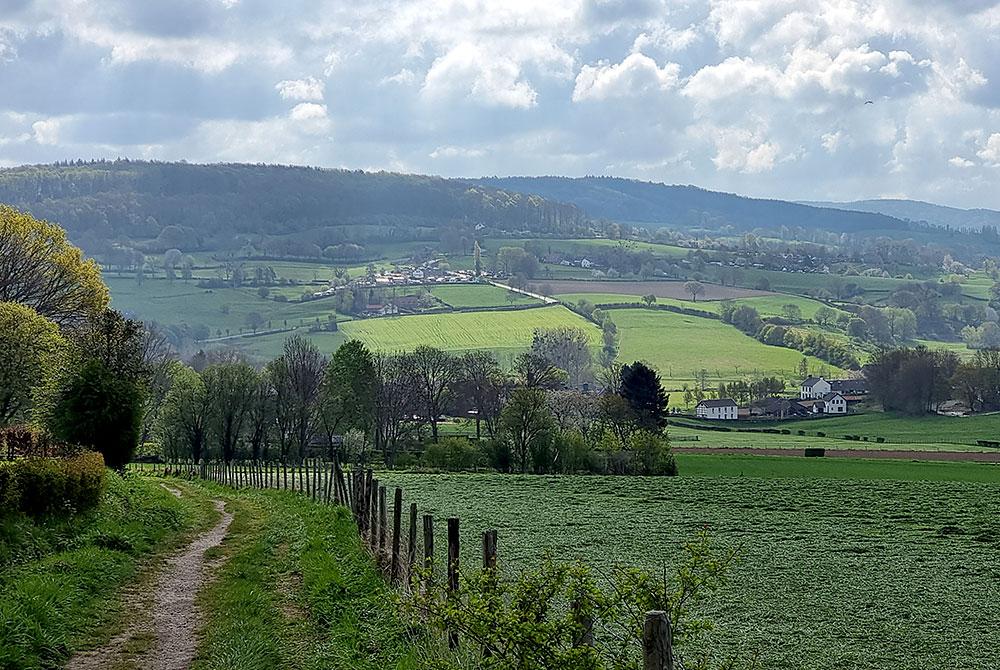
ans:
x=59 y=575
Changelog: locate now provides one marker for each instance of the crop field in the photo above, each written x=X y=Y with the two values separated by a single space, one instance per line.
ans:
x=931 y=428
x=661 y=289
x=479 y=295
x=505 y=331
x=679 y=345
x=766 y=305
x=865 y=572
x=834 y=441
x=219 y=309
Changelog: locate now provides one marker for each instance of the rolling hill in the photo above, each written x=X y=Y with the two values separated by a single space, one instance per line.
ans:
x=915 y=210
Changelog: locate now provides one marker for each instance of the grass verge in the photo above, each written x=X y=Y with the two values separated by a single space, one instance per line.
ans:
x=298 y=591
x=60 y=576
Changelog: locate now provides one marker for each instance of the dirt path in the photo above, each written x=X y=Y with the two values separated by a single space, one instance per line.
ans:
x=967 y=456
x=163 y=632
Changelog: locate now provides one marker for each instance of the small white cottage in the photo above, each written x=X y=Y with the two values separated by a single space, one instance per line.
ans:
x=813 y=388
x=723 y=408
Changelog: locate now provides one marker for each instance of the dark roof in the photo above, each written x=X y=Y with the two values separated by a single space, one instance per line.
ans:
x=721 y=402
x=809 y=381
x=832 y=395
x=850 y=385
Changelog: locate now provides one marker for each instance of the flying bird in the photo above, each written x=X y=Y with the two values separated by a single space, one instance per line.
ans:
x=869 y=102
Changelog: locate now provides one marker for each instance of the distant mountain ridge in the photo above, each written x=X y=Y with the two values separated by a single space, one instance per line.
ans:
x=691 y=207
x=916 y=210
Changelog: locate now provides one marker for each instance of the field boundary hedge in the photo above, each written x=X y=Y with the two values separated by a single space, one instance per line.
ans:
x=37 y=486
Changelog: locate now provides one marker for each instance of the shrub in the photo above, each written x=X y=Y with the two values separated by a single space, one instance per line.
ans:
x=820 y=433
x=38 y=486
x=452 y=453
x=800 y=432
x=880 y=440
x=785 y=431
x=101 y=411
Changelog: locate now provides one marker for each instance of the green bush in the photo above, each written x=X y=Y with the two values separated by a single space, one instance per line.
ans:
x=452 y=453
x=39 y=486
x=101 y=411
x=880 y=440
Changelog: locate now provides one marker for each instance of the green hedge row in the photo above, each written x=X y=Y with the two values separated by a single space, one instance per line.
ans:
x=39 y=486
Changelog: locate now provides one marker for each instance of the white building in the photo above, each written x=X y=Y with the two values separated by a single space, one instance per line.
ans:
x=813 y=388
x=832 y=403
x=723 y=408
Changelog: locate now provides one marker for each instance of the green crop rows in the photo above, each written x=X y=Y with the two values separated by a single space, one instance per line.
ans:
x=854 y=573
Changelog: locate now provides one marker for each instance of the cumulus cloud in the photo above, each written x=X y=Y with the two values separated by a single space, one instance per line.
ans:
x=990 y=153
x=635 y=75
x=46 y=131
x=764 y=98
x=490 y=79
x=309 y=88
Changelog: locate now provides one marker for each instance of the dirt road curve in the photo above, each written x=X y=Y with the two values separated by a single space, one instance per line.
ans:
x=968 y=456
x=163 y=632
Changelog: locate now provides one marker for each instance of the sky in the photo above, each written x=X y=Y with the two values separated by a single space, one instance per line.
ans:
x=760 y=97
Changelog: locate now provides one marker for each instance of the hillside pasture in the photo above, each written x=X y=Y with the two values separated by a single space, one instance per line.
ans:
x=505 y=332
x=679 y=345
x=479 y=295
x=661 y=289
x=220 y=309
x=867 y=572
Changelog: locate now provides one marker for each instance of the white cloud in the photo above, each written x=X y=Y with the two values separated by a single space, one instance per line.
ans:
x=309 y=88
x=635 y=75
x=489 y=79
x=960 y=162
x=456 y=152
x=310 y=117
x=404 y=77
x=46 y=131
x=990 y=153
x=832 y=141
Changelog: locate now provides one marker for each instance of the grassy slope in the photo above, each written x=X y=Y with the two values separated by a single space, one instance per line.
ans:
x=679 y=345
x=298 y=591
x=865 y=572
x=795 y=467
x=509 y=331
x=834 y=440
x=765 y=305
x=898 y=428
x=479 y=295
x=59 y=584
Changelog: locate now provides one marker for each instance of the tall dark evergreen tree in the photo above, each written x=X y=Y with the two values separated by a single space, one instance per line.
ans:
x=641 y=388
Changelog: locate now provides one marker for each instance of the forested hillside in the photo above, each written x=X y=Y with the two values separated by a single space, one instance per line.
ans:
x=208 y=207
x=689 y=206
x=914 y=210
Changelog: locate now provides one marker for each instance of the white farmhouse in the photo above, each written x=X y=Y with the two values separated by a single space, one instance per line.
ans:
x=723 y=408
x=813 y=388
x=831 y=403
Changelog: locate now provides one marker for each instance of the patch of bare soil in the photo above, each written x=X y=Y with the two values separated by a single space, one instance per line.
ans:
x=163 y=632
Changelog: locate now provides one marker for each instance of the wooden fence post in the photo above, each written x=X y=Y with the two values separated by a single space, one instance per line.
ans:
x=490 y=550
x=373 y=516
x=428 y=551
x=657 y=645
x=453 y=549
x=383 y=528
x=397 y=518
x=411 y=547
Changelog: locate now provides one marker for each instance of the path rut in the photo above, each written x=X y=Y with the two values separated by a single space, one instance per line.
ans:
x=169 y=620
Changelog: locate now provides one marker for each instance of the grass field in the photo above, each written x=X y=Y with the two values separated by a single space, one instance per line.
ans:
x=479 y=295
x=931 y=428
x=504 y=332
x=679 y=345
x=832 y=441
x=220 y=309
x=661 y=289
x=766 y=305
x=866 y=572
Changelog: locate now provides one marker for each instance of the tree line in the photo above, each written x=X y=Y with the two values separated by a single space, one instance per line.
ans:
x=362 y=406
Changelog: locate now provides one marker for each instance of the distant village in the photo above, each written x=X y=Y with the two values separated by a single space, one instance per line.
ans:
x=816 y=396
